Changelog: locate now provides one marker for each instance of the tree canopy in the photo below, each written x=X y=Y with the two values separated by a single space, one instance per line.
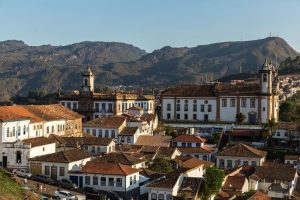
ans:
x=161 y=165
x=213 y=179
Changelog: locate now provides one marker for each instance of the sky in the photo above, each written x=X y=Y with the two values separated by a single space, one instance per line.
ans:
x=149 y=24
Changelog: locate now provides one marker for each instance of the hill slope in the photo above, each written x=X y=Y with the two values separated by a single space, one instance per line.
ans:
x=24 y=67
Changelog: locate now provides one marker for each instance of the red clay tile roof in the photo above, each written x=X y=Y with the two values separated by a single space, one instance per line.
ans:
x=135 y=108
x=38 y=141
x=12 y=113
x=188 y=138
x=288 y=125
x=234 y=183
x=148 y=117
x=96 y=167
x=292 y=157
x=205 y=149
x=245 y=133
x=129 y=131
x=195 y=162
x=121 y=158
x=66 y=156
x=155 y=140
x=166 y=152
x=242 y=150
x=190 y=186
x=274 y=171
x=106 y=122
x=189 y=91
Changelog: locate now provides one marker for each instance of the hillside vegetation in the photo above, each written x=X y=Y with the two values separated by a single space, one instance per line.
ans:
x=24 y=68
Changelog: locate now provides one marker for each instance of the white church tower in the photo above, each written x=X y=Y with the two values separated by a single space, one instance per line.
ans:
x=87 y=81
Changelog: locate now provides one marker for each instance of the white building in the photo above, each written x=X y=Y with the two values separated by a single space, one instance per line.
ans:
x=117 y=178
x=57 y=165
x=16 y=154
x=221 y=102
x=240 y=154
x=93 y=105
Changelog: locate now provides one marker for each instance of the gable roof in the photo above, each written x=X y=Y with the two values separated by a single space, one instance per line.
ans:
x=129 y=131
x=166 y=152
x=97 y=167
x=121 y=158
x=66 y=156
x=38 y=141
x=13 y=113
x=106 y=122
x=190 y=186
x=189 y=90
x=274 y=171
x=242 y=150
x=194 y=162
x=188 y=138
x=234 y=183
x=154 y=140
x=205 y=149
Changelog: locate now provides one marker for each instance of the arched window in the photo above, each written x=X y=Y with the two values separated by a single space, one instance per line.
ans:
x=153 y=196
x=85 y=82
x=161 y=197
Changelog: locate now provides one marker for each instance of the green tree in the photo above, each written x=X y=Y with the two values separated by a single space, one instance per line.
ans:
x=161 y=165
x=213 y=179
x=240 y=117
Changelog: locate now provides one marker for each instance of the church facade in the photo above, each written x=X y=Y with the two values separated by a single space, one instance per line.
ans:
x=93 y=105
x=221 y=102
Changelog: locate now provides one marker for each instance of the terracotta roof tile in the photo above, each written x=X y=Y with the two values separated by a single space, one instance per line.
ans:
x=121 y=158
x=242 y=150
x=129 y=131
x=188 y=138
x=166 y=152
x=234 y=183
x=292 y=157
x=190 y=91
x=190 y=186
x=155 y=140
x=66 y=156
x=11 y=113
x=96 y=167
x=259 y=196
x=38 y=141
x=106 y=122
x=194 y=162
x=205 y=149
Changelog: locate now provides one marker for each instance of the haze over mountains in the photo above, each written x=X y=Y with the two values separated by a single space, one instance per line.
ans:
x=24 y=68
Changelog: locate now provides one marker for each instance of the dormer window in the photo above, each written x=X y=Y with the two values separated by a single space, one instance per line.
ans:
x=265 y=78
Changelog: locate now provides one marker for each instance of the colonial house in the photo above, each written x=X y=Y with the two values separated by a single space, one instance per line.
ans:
x=189 y=162
x=16 y=154
x=275 y=179
x=240 y=154
x=286 y=133
x=293 y=160
x=93 y=105
x=235 y=185
x=122 y=180
x=175 y=183
x=128 y=135
x=191 y=145
x=221 y=102
x=109 y=127
x=92 y=145
x=154 y=140
x=57 y=165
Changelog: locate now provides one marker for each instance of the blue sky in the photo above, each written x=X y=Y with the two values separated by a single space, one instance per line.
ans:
x=149 y=24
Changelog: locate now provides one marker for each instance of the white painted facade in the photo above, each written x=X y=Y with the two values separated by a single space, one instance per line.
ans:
x=228 y=162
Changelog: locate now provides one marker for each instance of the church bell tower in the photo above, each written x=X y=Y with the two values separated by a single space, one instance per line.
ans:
x=87 y=81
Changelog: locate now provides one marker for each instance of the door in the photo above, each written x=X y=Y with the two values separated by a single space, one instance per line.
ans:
x=80 y=181
x=54 y=172
x=4 y=161
x=205 y=117
x=252 y=118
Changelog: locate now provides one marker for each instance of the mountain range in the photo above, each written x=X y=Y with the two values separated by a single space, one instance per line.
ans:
x=47 y=67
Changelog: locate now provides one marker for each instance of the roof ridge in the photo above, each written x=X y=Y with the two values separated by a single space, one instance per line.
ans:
x=251 y=149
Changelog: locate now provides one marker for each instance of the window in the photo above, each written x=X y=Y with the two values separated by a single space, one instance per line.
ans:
x=232 y=102
x=94 y=132
x=97 y=107
x=209 y=109
x=161 y=196
x=202 y=107
x=87 y=130
x=128 y=140
x=87 y=180
x=186 y=107
x=103 y=181
x=197 y=144
x=47 y=170
x=204 y=157
x=95 y=180
x=253 y=163
x=130 y=181
x=224 y=102
x=110 y=181
x=195 y=107
x=106 y=133
x=189 y=144
x=100 y=132
x=174 y=144
x=265 y=78
x=221 y=163
x=69 y=105
x=169 y=197
x=264 y=108
x=183 y=144
x=178 y=116
x=74 y=106
x=119 y=182
x=153 y=196
x=168 y=116
x=286 y=134
x=244 y=103
x=113 y=133
x=85 y=82
x=93 y=149
x=177 y=107
x=245 y=163
x=62 y=171
x=7 y=132
x=168 y=107
x=14 y=131
x=252 y=103
x=52 y=129
x=229 y=163
x=98 y=150
x=185 y=116
x=194 y=116
x=110 y=107
x=134 y=179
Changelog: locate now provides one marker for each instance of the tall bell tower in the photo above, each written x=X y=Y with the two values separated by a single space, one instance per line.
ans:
x=87 y=81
